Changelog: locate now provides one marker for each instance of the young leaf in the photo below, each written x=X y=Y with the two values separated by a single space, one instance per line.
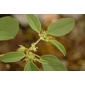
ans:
x=30 y=66
x=34 y=22
x=8 y=28
x=12 y=57
x=61 y=27
x=53 y=64
x=59 y=46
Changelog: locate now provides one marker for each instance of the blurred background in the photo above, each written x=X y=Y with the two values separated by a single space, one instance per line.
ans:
x=74 y=42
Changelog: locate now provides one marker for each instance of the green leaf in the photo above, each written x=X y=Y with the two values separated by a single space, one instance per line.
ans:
x=30 y=66
x=8 y=28
x=34 y=22
x=59 y=46
x=53 y=64
x=12 y=57
x=61 y=27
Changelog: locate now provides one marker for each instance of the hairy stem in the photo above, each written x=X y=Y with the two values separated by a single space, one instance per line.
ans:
x=33 y=46
x=37 y=41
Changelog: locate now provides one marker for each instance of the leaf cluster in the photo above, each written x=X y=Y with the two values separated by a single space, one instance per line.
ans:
x=9 y=28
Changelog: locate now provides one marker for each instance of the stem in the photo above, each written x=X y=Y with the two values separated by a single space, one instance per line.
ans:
x=37 y=41
x=33 y=46
x=37 y=56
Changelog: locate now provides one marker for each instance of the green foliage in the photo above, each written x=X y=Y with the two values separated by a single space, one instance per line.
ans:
x=59 y=46
x=52 y=63
x=12 y=57
x=30 y=66
x=34 y=22
x=8 y=28
x=61 y=27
